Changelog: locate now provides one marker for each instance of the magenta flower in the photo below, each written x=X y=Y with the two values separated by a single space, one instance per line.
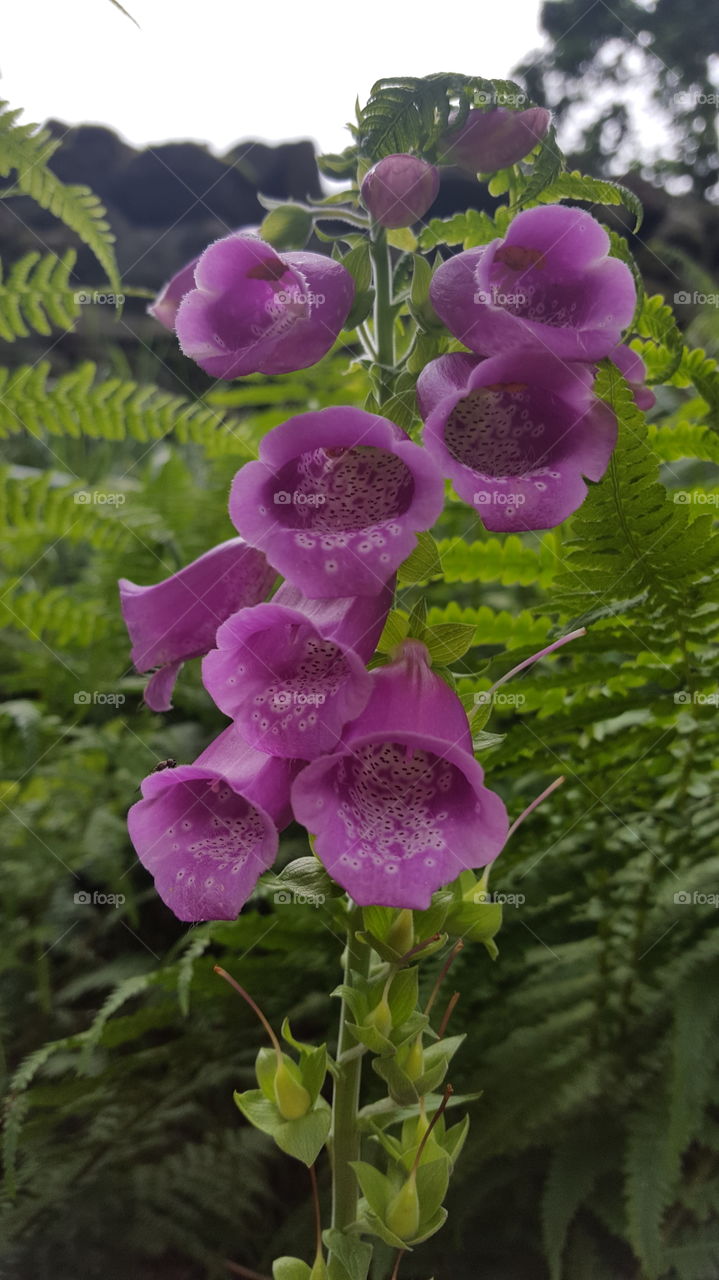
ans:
x=401 y=808
x=291 y=673
x=177 y=618
x=515 y=434
x=336 y=499
x=399 y=190
x=165 y=306
x=548 y=286
x=495 y=139
x=206 y=831
x=631 y=365
x=255 y=311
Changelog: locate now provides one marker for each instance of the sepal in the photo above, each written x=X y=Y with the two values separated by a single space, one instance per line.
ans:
x=303 y=1138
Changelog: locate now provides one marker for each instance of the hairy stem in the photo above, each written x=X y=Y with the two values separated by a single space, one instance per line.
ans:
x=345 y=1134
x=383 y=318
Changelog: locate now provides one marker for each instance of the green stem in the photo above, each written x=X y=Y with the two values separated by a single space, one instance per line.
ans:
x=383 y=317
x=345 y=1102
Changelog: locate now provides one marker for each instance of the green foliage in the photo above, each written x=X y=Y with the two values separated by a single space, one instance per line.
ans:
x=580 y=186
x=24 y=154
x=37 y=295
x=80 y=405
x=592 y=1039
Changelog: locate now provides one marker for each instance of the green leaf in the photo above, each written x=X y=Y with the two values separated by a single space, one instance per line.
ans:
x=662 y=350
x=376 y=1188
x=579 y=186
x=403 y=239
x=546 y=169
x=405 y=114
x=421 y=564
x=402 y=996
x=432 y=1183
x=352 y=1255
x=37 y=294
x=288 y=226
x=470 y=229
x=385 y=1112
x=396 y=630
x=449 y=641
x=573 y=1170
x=338 y=164
x=646 y=1188
x=507 y=560
x=24 y=153
x=77 y=404
x=304 y=880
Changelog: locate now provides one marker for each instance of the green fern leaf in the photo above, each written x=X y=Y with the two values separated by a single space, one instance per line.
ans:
x=24 y=153
x=647 y=1189
x=579 y=186
x=77 y=405
x=629 y=537
x=663 y=346
x=686 y=440
x=507 y=560
x=37 y=294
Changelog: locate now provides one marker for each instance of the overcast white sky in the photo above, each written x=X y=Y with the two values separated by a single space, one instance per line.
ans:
x=221 y=70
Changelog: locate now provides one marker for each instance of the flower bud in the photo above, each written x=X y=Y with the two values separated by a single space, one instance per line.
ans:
x=293 y=1100
x=380 y=1018
x=403 y=1211
x=413 y=1065
x=399 y=190
x=401 y=933
x=492 y=140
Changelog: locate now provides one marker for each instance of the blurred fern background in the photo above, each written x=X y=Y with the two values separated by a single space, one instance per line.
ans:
x=594 y=1148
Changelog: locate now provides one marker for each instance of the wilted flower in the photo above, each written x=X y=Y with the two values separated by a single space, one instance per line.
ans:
x=401 y=808
x=549 y=285
x=291 y=673
x=206 y=831
x=255 y=311
x=494 y=139
x=631 y=365
x=177 y=618
x=336 y=499
x=515 y=434
x=399 y=190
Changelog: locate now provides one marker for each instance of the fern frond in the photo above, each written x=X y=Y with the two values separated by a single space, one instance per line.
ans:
x=36 y=507
x=663 y=344
x=77 y=405
x=648 y=1190
x=580 y=186
x=53 y=614
x=686 y=440
x=494 y=627
x=702 y=371
x=24 y=152
x=506 y=560
x=629 y=536
x=37 y=294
